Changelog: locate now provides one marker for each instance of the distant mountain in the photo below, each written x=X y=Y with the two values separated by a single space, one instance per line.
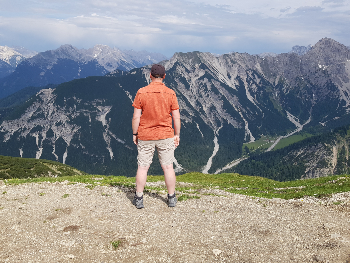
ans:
x=224 y=100
x=24 y=51
x=11 y=57
x=14 y=56
x=5 y=69
x=67 y=63
x=300 y=50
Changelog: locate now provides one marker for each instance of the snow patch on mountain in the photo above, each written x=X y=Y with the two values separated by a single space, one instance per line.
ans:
x=7 y=53
x=14 y=56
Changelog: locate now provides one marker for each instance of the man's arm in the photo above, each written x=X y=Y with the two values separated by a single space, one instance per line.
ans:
x=135 y=123
x=177 y=126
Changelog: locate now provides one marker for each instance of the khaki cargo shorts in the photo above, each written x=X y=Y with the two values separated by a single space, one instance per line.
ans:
x=165 y=149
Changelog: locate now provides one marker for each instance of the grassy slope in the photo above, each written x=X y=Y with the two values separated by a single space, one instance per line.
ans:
x=15 y=167
x=23 y=170
x=263 y=143
x=292 y=139
x=234 y=183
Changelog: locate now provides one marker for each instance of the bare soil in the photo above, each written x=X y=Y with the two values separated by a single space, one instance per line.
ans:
x=61 y=222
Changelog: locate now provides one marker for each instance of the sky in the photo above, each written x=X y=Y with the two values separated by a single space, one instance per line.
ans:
x=220 y=26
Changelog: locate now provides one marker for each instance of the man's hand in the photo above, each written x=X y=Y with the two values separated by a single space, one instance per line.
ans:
x=176 y=140
x=134 y=138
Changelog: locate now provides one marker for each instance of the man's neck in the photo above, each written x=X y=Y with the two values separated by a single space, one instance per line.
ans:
x=157 y=80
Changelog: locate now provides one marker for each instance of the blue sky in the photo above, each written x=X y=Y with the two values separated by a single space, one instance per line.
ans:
x=220 y=26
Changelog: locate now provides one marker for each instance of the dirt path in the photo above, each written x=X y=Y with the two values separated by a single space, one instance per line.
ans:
x=71 y=223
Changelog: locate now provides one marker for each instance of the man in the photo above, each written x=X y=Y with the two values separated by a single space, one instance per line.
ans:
x=152 y=128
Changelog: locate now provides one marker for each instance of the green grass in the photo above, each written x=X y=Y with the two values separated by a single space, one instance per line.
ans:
x=229 y=182
x=185 y=197
x=116 y=244
x=262 y=187
x=292 y=139
x=263 y=143
x=16 y=167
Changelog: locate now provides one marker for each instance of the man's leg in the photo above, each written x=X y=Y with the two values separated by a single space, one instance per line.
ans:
x=144 y=159
x=170 y=178
x=141 y=178
x=166 y=149
x=170 y=181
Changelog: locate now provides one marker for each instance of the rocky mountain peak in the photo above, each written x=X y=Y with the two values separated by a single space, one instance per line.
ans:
x=6 y=53
x=328 y=43
x=328 y=51
x=102 y=50
x=190 y=58
x=106 y=56
x=63 y=52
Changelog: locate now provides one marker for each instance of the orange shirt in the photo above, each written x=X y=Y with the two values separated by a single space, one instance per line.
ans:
x=156 y=102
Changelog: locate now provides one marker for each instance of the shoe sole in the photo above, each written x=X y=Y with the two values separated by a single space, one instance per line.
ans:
x=172 y=204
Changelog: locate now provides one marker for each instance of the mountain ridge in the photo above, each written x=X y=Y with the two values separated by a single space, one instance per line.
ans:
x=225 y=101
x=67 y=63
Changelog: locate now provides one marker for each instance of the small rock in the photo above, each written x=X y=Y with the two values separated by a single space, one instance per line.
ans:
x=70 y=256
x=319 y=258
x=217 y=252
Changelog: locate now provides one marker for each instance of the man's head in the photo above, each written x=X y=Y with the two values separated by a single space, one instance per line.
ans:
x=158 y=71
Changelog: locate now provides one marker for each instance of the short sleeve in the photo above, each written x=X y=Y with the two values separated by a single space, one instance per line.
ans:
x=137 y=102
x=174 y=103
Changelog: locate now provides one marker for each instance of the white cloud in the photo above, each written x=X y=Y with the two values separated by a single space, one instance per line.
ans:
x=168 y=26
x=176 y=20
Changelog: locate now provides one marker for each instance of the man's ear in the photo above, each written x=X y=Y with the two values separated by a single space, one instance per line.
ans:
x=164 y=76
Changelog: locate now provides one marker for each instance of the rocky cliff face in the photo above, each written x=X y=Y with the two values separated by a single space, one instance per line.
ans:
x=225 y=100
x=75 y=124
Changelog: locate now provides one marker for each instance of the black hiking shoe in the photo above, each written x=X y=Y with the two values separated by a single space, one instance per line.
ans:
x=172 y=200
x=138 y=202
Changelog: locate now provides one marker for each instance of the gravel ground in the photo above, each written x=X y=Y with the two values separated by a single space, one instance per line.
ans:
x=61 y=222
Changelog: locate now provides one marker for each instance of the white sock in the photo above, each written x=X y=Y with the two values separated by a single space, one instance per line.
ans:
x=139 y=194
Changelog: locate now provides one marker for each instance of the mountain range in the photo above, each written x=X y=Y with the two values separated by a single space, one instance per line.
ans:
x=226 y=101
x=21 y=70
